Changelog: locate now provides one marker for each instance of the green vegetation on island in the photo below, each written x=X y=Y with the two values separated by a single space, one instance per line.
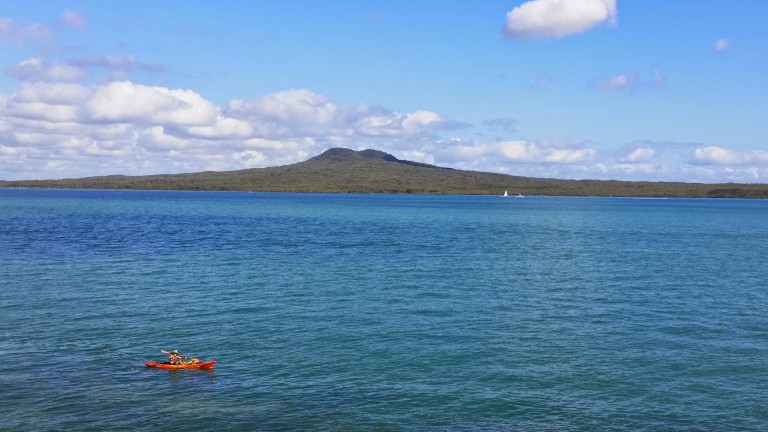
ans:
x=371 y=171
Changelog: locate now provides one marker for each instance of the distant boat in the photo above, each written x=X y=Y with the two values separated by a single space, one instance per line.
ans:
x=505 y=193
x=519 y=196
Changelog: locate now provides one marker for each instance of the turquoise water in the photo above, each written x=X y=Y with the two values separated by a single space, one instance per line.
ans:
x=382 y=312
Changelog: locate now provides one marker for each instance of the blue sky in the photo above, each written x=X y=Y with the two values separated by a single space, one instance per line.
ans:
x=581 y=89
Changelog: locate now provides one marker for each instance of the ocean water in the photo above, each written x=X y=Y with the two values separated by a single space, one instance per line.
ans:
x=382 y=312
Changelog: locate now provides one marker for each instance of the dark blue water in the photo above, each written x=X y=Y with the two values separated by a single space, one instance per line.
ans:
x=382 y=312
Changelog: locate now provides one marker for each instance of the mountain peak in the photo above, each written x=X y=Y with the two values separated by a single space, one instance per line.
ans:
x=344 y=154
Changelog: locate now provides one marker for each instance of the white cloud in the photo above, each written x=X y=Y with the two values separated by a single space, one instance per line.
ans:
x=36 y=69
x=419 y=156
x=536 y=19
x=48 y=102
x=626 y=81
x=155 y=129
x=287 y=113
x=371 y=122
x=287 y=107
x=156 y=139
x=46 y=112
x=620 y=82
x=516 y=152
x=570 y=156
x=642 y=154
x=269 y=144
x=52 y=93
x=127 y=102
x=650 y=161
x=419 y=122
x=714 y=155
x=221 y=128
x=300 y=113
x=250 y=159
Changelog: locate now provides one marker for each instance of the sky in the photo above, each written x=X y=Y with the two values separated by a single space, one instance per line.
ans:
x=640 y=90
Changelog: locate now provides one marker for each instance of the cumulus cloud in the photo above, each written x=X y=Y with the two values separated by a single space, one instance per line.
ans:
x=156 y=136
x=518 y=152
x=537 y=19
x=221 y=128
x=151 y=129
x=286 y=113
x=301 y=112
x=642 y=154
x=52 y=129
x=713 y=155
x=644 y=161
x=127 y=102
x=522 y=151
x=39 y=102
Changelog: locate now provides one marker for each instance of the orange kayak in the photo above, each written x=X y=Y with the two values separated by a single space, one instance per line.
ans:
x=198 y=365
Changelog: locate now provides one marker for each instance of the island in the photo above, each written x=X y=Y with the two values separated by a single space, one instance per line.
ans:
x=341 y=170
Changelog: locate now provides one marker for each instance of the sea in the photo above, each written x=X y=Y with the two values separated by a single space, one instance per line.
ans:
x=372 y=312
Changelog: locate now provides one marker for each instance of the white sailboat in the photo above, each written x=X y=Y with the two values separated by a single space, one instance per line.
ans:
x=505 y=194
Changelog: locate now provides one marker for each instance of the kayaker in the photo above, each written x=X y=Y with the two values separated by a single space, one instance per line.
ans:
x=175 y=358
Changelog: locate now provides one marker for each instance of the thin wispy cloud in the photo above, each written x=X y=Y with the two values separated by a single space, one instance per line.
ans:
x=38 y=69
x=118 y=67
x=633 y=80
x=16 y=32
x=721 y=45
x=72 y=19
x=500 y=124
x=658 y=78
x=620 y=82
x=542 y=81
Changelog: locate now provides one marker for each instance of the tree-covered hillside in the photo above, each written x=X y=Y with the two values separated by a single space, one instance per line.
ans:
x=371 y=171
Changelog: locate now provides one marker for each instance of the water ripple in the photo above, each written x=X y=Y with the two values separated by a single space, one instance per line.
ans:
x=330 y=312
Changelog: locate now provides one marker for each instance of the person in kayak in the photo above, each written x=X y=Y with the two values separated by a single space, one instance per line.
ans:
x=175 y=358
